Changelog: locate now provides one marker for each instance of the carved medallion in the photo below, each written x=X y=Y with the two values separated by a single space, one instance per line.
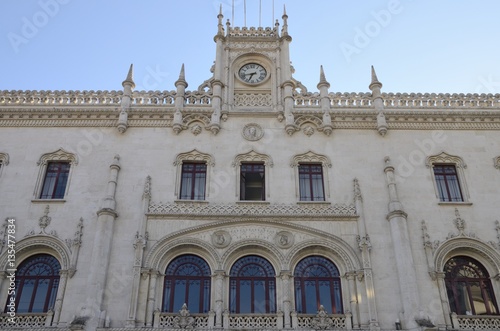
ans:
x=253 y=132
x=221 y=239
x=284 y=239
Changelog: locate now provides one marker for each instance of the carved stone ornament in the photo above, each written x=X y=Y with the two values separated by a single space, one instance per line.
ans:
x=44 y=221
x=221 y=239
x=284 y=239
x=321 y=321
x=184 y=320
x=252 y=132
x=496 y=162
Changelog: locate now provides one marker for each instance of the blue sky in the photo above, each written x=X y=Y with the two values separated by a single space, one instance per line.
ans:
x=416 y=46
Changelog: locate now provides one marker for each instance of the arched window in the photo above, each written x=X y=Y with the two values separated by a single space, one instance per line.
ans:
x=317 y=282
x=252 y=286
x=37 y=280
x=187 y=280
x=469 y=287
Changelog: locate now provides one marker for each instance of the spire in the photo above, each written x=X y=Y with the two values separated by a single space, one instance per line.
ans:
x=182 y=78
x=322 y=78
x=374 y=80
x=130 y=77
x=284 y=30
x=220 y=27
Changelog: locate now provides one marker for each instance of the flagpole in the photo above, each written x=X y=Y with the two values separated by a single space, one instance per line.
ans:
x=232 y=17
x=244 y=12
x=260 y=12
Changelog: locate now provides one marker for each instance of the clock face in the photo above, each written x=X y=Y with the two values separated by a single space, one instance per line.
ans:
x=252 y=73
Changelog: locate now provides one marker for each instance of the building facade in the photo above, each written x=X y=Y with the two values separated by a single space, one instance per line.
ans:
x=249 y=203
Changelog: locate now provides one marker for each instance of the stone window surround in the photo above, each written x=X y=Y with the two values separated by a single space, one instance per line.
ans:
x=458 y=162
x=193 y=156
x=58 y=155
x=311 y=157
x=253 y=156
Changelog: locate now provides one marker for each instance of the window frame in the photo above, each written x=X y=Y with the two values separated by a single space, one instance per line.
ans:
x=204 y=279
x=311 y=181
x=54 y=281
x=444 y=159
x=193 y=156
x=333 y=278
x=194 y=180
x=60 y=155
x=253 y=157
x=235 y=285
x=311 y=157
x=485 y=285
x=244 y=181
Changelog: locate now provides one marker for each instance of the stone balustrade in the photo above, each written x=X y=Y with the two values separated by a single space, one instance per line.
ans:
x=24 y=321
x=475 y=322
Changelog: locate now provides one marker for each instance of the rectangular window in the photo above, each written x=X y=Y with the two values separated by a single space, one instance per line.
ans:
x=447 y=183
x=252 y=183
x=193 y=181
x=56 y=179
x=311 y=182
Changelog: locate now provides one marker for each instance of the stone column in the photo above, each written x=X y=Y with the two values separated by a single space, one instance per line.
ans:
x=353 y=299
x=410 y=298
x=63 y=279
x=444 y=298
x=219 y=295
x=286 y=279
x=98 y=271
x=153 y=276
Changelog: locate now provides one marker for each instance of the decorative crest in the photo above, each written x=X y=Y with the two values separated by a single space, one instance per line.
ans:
x=184 y=320
x=321 y=321
x=44 y=221
x=357 y=191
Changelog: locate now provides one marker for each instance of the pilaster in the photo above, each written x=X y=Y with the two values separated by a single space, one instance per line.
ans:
x=410 y=299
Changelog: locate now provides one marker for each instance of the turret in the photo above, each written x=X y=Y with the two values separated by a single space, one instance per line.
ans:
x=378 y=103
x=128 y=87
x=323 y=87
x=181 y=85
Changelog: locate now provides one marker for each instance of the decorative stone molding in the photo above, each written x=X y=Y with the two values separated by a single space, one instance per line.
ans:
x=252 y=210
x=221 y=239
x=460 y=224
x=252 y=100
x=311 y=157
x=496 y=162
x=321 y=321
x=4 y=159
x=193 y=156
x=59 y=155
x=444 y=157
x=184 y=320
x=252 y=132
x=44 y=221
x=284 y=239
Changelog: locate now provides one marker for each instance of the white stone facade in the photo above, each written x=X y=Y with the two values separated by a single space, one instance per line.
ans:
x=121 y=219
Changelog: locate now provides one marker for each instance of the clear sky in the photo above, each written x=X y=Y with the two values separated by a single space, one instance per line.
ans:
x=448 y=46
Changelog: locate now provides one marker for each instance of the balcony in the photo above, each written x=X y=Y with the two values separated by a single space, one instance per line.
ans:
x=475 y=322
x=27 y=321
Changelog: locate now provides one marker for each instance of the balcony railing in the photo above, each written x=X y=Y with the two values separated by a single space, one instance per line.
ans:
x=475 y=322
x=26 y=320
x=185 y=320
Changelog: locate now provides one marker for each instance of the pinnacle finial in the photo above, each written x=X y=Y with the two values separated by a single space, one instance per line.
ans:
x=322 y=78
x=130 y=77
x=182 y=78
x=284 y=10
x=375 y=80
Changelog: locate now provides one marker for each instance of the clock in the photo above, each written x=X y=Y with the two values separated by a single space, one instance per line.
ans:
x=252 y=73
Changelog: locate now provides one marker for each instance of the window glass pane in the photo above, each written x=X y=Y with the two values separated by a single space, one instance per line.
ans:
x=272 y=296
x=298 y=297
x=206 y=296
x=199 y=186
x=455 y=194
x=232 y=296
x=441 y=187
x=48 y=186
x=477 y=299
x=311 y=299
x=26 y=294
x=304 y=187
x=179 y=294
x=338 y=297
x=325 y=297
x=61 y=186
x=245 y=296
x=194 y=296
x=167 y=295
x=40 y=296
x=259 y=301
x=317 y=187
